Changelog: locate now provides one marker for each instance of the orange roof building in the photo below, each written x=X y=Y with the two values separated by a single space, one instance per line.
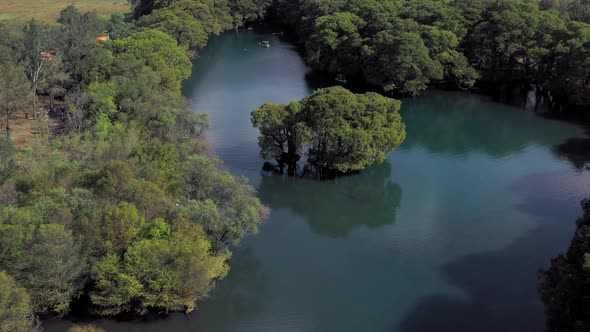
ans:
x=102 y=39
x=48 y=56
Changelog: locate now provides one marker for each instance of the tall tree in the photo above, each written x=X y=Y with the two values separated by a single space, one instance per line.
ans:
x=158 y=51
x=16 y=314
x=14 y=93
x=343 y=132
x=349 y=131
x=52 y=269
x=76 y=39
x=168 y=268
x=38 y=51
x=282 y=134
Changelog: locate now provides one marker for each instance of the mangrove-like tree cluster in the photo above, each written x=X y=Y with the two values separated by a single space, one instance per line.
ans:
x=341 y=132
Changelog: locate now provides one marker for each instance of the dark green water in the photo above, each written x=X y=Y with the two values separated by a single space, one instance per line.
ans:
x=446 y=235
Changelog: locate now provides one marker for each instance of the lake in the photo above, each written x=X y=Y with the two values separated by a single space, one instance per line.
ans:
x=446 y=235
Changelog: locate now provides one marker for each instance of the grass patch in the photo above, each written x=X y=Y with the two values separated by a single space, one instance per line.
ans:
x=23 y=131
x=48 y=10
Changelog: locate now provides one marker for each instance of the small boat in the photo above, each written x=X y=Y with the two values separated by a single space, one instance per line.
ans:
x=264 y=43
x=340 y=79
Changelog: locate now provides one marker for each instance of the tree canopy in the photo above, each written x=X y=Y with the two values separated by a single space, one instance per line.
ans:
x=16 y=313
x=562 y=285
x=406 y=46
x=342 y=131
x=120 y=206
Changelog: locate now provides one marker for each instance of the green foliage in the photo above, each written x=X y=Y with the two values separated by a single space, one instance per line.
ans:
x=400 y=61
x=571 y=64
x=16 y=313
x=8 y=165
x=165 y=269
x=98 y=211
x=51 y=269
x=406 y=46
x=189 y=22
x=343 y=132
x=579 y=10
x=563 y=286
x=179 y=24
x=11 y=42
x=336 y=42
x=224 y=205
x=282 y=131
x=122 y=225
x=76 y=40
x=14 y=93
x=85 y=328
x=159 y=51
x=349 y=131
x=398 y=46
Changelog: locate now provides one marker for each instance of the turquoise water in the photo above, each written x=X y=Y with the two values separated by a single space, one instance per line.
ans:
x=446 y=235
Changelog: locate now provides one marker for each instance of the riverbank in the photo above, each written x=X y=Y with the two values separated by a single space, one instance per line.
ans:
x=454 y=224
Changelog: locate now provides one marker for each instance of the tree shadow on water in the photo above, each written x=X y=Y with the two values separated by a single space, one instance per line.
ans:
x=236 y=299
x=501 y=286
x=335 y=207
x=576 y=151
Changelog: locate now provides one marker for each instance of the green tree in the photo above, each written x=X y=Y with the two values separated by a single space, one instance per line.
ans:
x=499 y=44
x=158 y=51
x=282 y=134
x=572 y=79
x=85 y=328
x=11 y=42
x=51 y=269
x=400 y=61
x=225 y=206
x=169 y=269
x=247 y=10
x=16 y=314
x=38 y=51
x=179 y=24
x=344 y=132
x=336 y=42
x=562 y=285
x=106 y=210
x=350 y=132
x=55 y=81
x=122 y=224
x=7 y=154
x=76 y=37
x=579 y=10
x=14 y=93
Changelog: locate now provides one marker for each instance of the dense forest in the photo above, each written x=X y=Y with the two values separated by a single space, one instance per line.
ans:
x=407 y=46
x=117 y=210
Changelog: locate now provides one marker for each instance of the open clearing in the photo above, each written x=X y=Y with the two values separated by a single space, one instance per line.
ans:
x=48 y=10
x=22 y=130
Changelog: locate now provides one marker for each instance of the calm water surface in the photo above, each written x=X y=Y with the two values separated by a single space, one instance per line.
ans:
x=446 y=235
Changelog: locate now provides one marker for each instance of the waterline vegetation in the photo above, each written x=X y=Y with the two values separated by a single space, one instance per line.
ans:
x=340 y=132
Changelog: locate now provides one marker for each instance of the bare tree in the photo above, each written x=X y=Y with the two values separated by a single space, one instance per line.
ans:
x=37 y=54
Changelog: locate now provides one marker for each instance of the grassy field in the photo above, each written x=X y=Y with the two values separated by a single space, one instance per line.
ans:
x=47 y=10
